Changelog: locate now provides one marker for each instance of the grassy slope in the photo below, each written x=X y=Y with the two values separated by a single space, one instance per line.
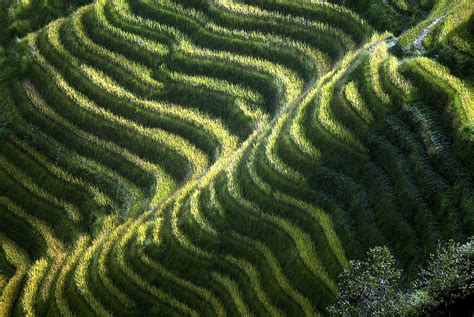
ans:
x=225 y=157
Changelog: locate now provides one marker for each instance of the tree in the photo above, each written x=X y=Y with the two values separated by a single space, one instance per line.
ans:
x=370 y=287
x=449 y=275
x=373 y=287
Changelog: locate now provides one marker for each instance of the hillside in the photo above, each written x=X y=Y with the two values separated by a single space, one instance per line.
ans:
x=226 y=157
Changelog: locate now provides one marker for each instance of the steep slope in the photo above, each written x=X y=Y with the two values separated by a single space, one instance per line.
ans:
x=223 y=157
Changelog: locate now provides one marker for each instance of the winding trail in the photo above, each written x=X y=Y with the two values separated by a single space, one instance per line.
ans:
x=418 y=43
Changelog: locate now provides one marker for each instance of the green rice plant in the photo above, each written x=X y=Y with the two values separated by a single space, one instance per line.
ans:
x=219 y=86
x=427 y=124
x=27 y=182
x=325 y=222
x=139 y=71
x=448 y=93
x=392 y=89
x=198 y=80
x=192 y=248
x=228 y=142
x=112 y=254
x=99 y=197
x=104 y=275
x=320 y=59
x=55 y=249
x=3 y=282
x=271 y=149
x=372 y=73
x=124 y=239
x=230 y=137
x=196 y=213
x=73 y=44
x=298 y=124
x=284 y=42
x=151 y=23
x=103 y=251
x=271 y=261
x=242 y=8
x=66 y=270
x=254 y=277
x=89 y=104
x=410 y=38
x=461 y=43
x=325 y=116
x=306 y=249
x=19 y=259
x=402 y=5
x=352 y=94
x=151 y=51
x=460 y=14
x=180 y=196
x=396 y=78
x=206 y=37
x=323 y=123
x=411 y=199
x=51 y=189
x=157 y=49
x=113 y=88
x=288 y=78
x=117 y=39
x=233 y=289
x=325 y=12
x=301 y=239
x=83 y=270
x=174 y=142
x=54 y=246
x=200 y=291
x=35 y=276
x=73 y=160
x=440 y=78
x=41 y=105
x=179 y=235
x=171 y=115
x=50 y=277
x=159 y=136
x=432 y=185
x=242 y=94
x=386 y=209
x=279 y=275
x=323 y=219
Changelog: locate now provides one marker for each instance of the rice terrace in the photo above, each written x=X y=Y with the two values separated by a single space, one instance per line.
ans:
x=236 y=157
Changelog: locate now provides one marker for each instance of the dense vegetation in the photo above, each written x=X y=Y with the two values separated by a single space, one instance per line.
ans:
x=229 y=157
x=375 y=286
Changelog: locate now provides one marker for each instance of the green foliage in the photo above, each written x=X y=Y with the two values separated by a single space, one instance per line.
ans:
x=370 y=287
x=373 y=287
x=449 y=275
x=15 y=64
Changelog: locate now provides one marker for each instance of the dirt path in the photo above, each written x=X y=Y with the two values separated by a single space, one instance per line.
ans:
x=418 y=43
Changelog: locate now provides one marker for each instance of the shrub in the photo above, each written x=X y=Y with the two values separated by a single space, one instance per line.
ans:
x=371 y=287
x=449 y=275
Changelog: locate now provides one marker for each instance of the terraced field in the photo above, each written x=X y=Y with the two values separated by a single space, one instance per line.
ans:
x=228 y=157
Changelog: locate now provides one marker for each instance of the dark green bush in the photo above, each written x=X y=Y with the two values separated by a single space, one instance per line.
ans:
x=373 y=287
